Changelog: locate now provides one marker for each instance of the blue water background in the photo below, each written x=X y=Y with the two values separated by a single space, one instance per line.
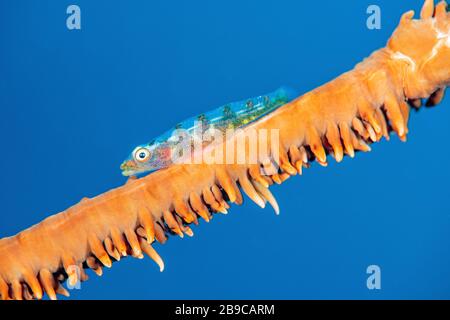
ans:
x=74 y=103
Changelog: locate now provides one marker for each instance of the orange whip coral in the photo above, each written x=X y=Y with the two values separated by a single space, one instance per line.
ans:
x=343 y=116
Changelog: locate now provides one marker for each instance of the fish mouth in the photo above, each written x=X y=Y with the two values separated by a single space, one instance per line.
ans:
x=128 y=168
x=128 y=173
x=131 y=168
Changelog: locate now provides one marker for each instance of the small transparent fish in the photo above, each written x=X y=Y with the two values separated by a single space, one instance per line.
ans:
x=159 y=153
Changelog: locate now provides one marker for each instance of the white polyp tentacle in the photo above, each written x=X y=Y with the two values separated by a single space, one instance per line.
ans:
x=442 y=36
x=401 y=56
x=443 y=40
x=445 y=37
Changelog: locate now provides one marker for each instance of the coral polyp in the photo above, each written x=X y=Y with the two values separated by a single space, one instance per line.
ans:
x=335 y=120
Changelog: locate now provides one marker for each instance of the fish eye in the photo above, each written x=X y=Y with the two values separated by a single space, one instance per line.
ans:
x=141 y=155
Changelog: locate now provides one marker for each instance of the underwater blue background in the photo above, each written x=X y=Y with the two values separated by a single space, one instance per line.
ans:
x=74 y=103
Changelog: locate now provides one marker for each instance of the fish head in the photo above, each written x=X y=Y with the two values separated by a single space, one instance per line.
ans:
x=146 y=158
